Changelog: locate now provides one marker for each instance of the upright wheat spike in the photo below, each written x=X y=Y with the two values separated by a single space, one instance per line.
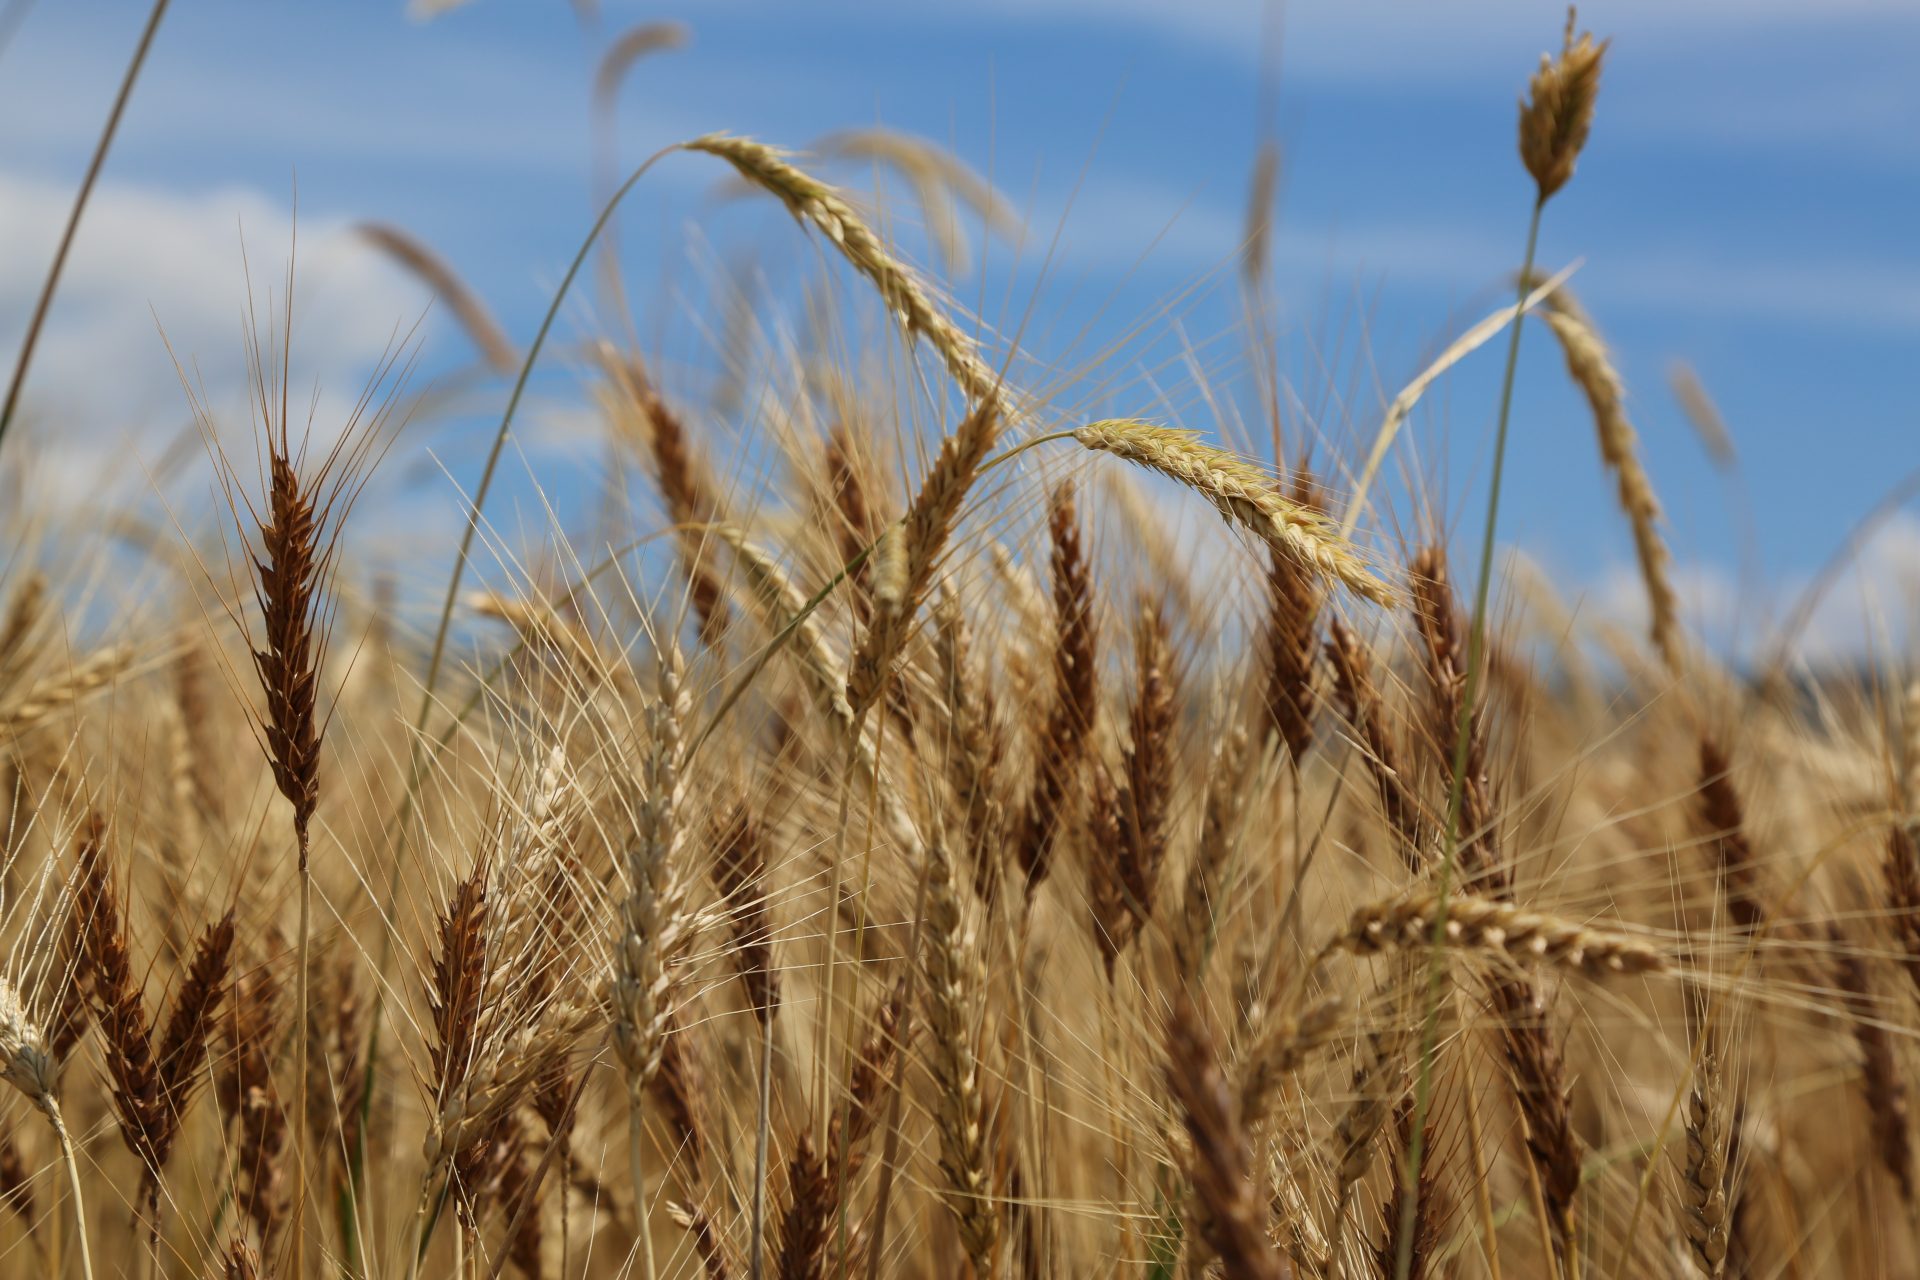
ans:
x=1076 y=694
x=1883 y=1088
x=1293 y=604
x=1704 y=1184
x=1360 y=705
x=953 y=977
x=652 y=924
x=1204 y=899
x=974 y=745
x=1148 y=781
x=1220 y=1163
x=1558 y=113
x=686 y=487
x=819 y=1184
x=1722 y=817
x=1243 y=493
x=292 y=531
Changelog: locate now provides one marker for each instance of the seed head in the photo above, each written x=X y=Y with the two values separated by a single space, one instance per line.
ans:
x=1556 y=116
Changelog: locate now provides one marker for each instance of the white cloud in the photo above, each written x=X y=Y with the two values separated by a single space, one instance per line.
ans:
x=1869 y=611
x=103 y=395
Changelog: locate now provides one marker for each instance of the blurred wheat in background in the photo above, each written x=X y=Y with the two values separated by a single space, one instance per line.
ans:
x=904 y=846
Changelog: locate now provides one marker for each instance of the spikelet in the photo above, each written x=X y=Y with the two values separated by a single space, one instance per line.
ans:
x=811 y=201
x=1556 y=116
x=1703 y=1185
x=1483 y=924
x=1243 y=493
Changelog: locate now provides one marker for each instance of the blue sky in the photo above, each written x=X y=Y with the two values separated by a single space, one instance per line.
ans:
x=1746 y=204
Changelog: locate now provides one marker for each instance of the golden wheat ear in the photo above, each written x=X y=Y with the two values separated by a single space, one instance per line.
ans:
x=1558 y=111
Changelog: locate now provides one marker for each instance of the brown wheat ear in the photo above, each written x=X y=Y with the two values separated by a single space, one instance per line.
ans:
x=1556 y=116
x=1293 y=603
x=1881 y=1084
x=1363 y=711
x=1231 y=1219
x=740 y=874
x=686 y=488
x=820 y=1184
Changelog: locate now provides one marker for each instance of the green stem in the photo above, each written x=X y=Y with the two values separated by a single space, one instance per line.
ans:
x=1456 y=792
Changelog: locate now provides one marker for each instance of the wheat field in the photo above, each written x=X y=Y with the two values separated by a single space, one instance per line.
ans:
x=899 y=849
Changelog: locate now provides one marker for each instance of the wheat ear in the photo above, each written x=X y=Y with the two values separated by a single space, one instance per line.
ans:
x=28 y=1063
x=953 y=977
x=814 y=202
x=1592 y=369
x=1558 y=112
x=1243 y=493
x=1220 y=1162
x=1485 y=924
